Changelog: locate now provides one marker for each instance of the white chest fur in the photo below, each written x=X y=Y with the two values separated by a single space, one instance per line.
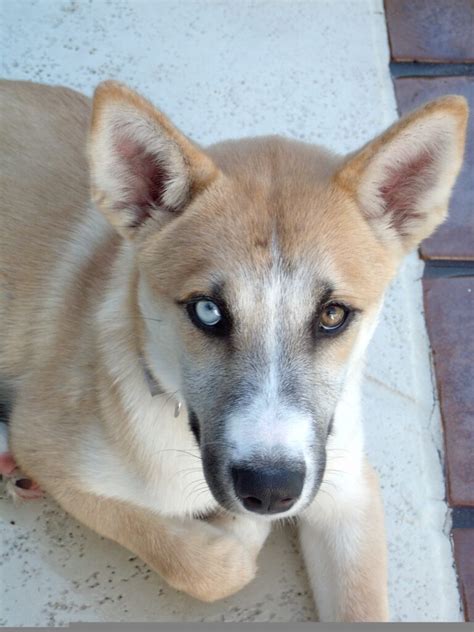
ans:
x=156 y=465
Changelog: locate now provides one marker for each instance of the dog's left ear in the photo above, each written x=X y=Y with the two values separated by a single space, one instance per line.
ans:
x=403 y=179
x=141 y=167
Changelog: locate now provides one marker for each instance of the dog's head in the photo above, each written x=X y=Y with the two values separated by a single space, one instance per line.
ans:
x=262 y=267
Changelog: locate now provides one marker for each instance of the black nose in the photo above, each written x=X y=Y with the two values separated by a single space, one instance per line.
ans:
x=267 y=490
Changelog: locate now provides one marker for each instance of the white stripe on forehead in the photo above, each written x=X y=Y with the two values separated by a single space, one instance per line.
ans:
x=265 y=297
x=267 y=423
x=272 y=296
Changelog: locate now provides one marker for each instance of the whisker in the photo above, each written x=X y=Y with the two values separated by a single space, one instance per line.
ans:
x=186 y=452
x=202 y=492
x=332 y=449
x=191 y=493
x=185 y=473
x=325 y=482
x=197 y=492
x=323 y=491
x=192 y=483
x=119 y=317
x=333 y=471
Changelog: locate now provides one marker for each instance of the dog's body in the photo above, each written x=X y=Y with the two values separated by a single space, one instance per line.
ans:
x=256 y=232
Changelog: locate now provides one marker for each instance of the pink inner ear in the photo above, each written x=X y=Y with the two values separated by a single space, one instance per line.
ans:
x=146 y=178
x=403 y=186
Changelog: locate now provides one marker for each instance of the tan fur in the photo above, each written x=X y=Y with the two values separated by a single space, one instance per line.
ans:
x=446 y=111
x=194 y=556
x=108 y=92
x=111 y=98
x=54 y=355
x=253 y=202
x=365 y=598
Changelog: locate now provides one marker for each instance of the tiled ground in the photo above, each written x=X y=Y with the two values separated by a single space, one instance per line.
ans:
x=431 y=30
x=442 y=32
x=453 y=355
x=464 y=554
x=316 y=70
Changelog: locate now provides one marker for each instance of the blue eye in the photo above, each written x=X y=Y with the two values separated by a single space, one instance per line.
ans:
x=207 y=313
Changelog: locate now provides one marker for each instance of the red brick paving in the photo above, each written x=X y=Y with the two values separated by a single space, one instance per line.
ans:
x=463 y=540
x=431 y=30
x=449 y=309
x=442 y=31
x=454 y=240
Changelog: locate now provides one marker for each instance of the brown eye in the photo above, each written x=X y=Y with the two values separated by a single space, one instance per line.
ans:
x=333 y=317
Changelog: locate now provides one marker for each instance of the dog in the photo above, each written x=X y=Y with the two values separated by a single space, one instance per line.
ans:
x=183 y=330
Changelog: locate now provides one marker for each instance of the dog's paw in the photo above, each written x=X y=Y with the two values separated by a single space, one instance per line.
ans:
x=231 y=566
x=214 y=566
x=17 y=485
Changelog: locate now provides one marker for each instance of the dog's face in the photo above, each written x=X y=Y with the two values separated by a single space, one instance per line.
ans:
x=262 y=267
x=263 y=289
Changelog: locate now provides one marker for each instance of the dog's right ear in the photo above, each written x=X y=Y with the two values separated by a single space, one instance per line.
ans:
x=142 y=168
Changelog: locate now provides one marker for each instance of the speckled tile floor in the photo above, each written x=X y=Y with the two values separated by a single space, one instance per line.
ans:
x=316 y=70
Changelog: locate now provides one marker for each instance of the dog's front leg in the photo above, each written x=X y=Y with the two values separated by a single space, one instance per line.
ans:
x=343 y=541
x=206 y=561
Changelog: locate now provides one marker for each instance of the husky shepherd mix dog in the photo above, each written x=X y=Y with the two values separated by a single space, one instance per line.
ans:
x=183 y=330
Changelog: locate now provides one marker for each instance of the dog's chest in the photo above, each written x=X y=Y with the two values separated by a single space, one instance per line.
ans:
x=157 y=466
